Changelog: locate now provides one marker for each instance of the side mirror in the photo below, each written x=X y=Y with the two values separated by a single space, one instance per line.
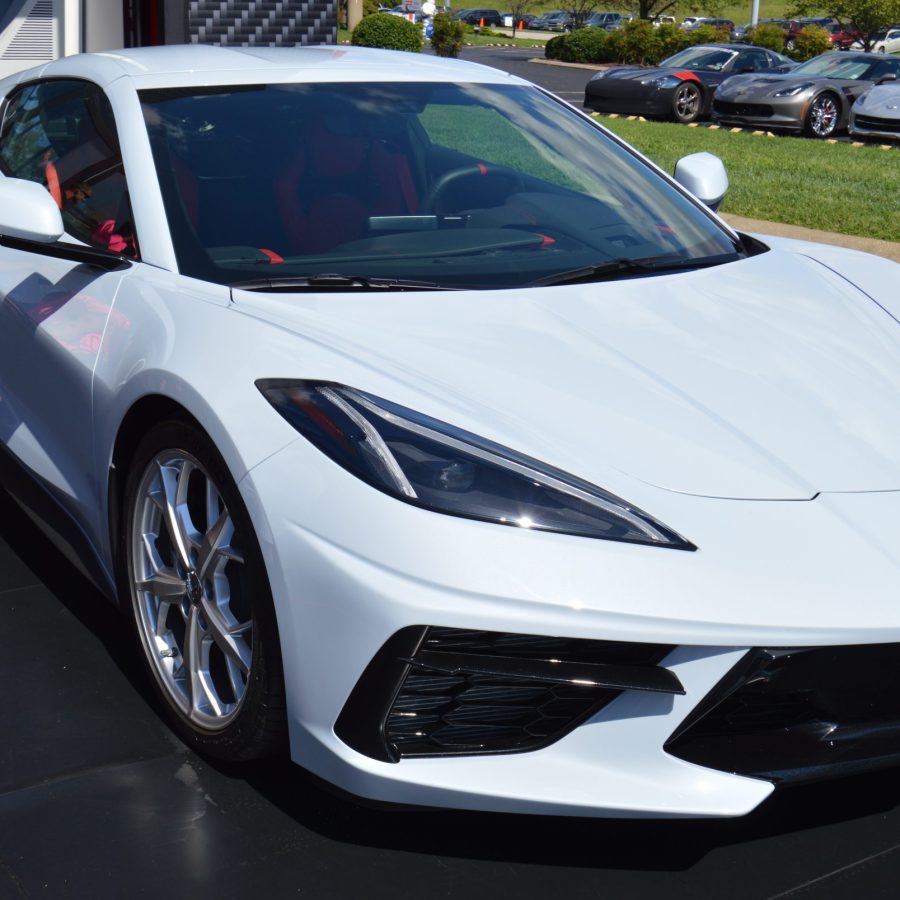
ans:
x=885 y=79
x=27 y=211
x=704 y=176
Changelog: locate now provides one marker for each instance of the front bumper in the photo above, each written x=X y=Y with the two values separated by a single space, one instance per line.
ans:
x=611 y=95
x=874 y=126
x=784 y=116
x=351 y=567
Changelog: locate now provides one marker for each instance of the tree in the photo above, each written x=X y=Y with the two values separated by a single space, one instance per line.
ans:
x=579 y=10
x=647 y=9
x=868 y=16
x=518 y=8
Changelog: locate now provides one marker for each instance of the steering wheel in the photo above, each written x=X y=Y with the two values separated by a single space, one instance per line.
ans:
x=478 y=169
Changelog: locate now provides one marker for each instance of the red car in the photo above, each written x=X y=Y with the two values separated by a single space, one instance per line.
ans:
x=842 y=36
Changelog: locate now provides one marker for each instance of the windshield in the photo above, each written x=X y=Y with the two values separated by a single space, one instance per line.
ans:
x=458 y=185
x=699 y=58
x=837 y=65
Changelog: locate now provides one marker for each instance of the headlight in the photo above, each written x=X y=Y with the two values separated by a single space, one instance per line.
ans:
x=792 y=91
x=433 y=465
x=859 y=101
x=598 y=75
x=666 y=81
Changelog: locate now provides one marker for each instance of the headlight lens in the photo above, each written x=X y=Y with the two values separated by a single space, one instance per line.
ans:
x=792 y=91
x=430 y=464
x=666 y=81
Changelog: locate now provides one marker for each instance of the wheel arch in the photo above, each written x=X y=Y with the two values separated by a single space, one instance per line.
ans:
x=141 y=416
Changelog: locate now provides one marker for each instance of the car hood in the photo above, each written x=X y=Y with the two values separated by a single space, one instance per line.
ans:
x=642 y=74
x=882 y=101
x=768 y=378
x=766 y=85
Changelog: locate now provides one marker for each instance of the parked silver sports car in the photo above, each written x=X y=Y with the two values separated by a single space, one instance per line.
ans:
x=877 y=113
x=815 y=97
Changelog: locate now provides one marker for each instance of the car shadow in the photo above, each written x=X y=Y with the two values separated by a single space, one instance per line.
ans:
x=649 y=845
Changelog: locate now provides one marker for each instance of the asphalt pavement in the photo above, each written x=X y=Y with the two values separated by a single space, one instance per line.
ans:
x=99 y=799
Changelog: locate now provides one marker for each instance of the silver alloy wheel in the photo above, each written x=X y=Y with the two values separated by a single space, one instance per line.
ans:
x=823 y=115
x=192 y=613
x=687 y=102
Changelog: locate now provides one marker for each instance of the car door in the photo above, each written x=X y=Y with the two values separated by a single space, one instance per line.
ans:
x=56 y=300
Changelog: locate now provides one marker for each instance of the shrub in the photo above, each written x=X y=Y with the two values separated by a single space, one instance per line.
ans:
x=639 y=43
x=706 y=34
x=671 y=39
x=447 y=35
x=370 y=7
x=769 y=36
x=388 y=32
x=585 y=45
x=554 y=48
x=811 y=42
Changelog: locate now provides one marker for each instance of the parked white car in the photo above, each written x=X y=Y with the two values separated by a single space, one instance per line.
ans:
x=887 y=41
x=423 y=427
x=877 y=113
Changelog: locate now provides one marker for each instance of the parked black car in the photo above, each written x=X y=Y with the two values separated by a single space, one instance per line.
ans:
x=682 y=86
x=488 y=17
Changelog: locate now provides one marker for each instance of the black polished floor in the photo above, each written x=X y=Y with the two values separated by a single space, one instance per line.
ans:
x=98 y=799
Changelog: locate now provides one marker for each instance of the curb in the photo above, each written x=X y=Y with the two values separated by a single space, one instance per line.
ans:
x=568 y=65
x=887 y=249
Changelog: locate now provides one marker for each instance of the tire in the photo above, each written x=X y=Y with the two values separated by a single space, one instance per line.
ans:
x=200 y=599
x=687 y=102
x=823 y=116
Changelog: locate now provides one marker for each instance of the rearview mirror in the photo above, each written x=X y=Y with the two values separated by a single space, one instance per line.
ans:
x=704 y=176
x=28 y=212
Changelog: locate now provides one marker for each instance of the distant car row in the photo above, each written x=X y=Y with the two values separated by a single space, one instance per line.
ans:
x=752 y=86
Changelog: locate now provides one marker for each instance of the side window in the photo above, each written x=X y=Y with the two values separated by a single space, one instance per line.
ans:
x=753 y=59
x=61 y=134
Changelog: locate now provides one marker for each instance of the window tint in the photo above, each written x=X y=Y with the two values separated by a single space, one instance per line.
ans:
x=61 y=134
x=756 y=60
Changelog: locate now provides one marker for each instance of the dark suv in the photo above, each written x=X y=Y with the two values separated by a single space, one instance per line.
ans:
x=488 y=17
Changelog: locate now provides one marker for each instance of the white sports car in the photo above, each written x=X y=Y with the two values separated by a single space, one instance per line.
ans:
x=422 y=425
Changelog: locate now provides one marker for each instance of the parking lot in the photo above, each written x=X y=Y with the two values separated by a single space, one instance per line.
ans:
x=99 y=799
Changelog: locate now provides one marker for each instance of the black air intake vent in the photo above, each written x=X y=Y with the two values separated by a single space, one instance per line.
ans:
x=447 y=691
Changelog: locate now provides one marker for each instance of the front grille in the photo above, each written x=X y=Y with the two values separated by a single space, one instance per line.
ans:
x=799 y=714
x=436 y=691
x=873 y=123
x=750 y=110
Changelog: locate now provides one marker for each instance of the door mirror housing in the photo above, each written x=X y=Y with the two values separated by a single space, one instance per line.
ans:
x=886 y=79
x=28 y=212
x=704 y=176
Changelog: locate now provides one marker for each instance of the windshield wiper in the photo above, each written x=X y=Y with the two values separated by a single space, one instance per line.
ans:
x=329 y=281
x=614 y=268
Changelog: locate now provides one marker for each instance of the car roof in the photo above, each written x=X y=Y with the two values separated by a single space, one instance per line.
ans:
x=194 y=64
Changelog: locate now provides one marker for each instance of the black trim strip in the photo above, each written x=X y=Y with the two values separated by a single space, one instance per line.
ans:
x=617 y=677
x=59 y=250
x=362 y=721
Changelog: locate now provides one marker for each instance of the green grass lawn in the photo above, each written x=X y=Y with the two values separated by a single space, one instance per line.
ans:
x=799 y=181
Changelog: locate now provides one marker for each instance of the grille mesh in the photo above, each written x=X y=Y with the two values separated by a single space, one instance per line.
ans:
x=439 y=714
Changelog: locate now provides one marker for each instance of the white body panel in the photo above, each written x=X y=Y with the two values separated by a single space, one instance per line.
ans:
x=771 y=382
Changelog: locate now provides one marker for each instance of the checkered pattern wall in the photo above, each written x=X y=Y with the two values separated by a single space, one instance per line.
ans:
x=262 y=23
